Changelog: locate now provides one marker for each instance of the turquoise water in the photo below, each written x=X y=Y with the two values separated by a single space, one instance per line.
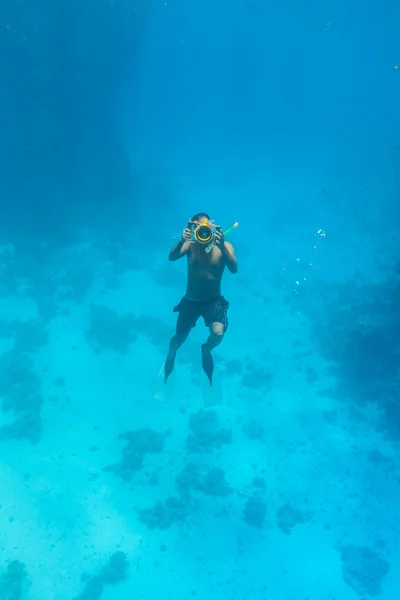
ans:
x=120 y=120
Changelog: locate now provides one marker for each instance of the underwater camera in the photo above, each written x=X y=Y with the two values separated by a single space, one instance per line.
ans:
x=204 y=232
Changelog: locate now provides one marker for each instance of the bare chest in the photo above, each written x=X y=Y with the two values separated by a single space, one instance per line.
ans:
x=199 y=256
x=201 y=261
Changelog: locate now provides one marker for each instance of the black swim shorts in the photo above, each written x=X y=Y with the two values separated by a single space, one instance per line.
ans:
x=213 y=311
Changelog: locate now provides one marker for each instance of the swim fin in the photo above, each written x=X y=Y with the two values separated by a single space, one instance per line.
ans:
x=169 y=366
x=207 y=362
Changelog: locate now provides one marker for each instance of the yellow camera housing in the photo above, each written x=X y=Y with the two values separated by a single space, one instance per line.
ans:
x=203 y=233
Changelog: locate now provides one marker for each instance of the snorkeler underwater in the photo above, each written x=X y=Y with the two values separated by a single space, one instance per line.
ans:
x=262 y=461
x=208 y=254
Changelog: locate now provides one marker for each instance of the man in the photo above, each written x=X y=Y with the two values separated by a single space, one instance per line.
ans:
x=206 y=264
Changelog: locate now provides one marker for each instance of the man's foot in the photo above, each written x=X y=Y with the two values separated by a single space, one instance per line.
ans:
x=207 y=362
x=169 y=366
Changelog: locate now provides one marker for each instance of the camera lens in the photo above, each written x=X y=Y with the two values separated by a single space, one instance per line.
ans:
x=204 y=233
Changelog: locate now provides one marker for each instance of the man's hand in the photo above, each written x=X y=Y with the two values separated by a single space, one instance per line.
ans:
x=186 y=235
x=219 y=238
x=181 y=248
x=227 y=252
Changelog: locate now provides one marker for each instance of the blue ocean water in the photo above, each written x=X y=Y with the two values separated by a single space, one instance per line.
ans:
x=120 y=119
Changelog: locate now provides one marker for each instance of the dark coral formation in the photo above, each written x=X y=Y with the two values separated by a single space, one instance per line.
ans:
x=153 y=329
x=13 y=581
x=357 y=329
x=257 y=378
x=188 y=480
x=140 y=443
x=255 y=511
x=116 y=570
x=93 y=589
x=109 y=330
x=207 y=433
x=76 y=282
x=163 y=516
x=254 y=430
x=113 y=573
x=20 y=387
x=363 y=570
x=233 y=367
x=215 y=484
x=288 y=517
x=48 y=279
x=259 y=483
x=210 y=482
x=29 y=336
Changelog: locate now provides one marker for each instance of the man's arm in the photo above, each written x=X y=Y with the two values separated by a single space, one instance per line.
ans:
x=230 y=258
x=180 y=249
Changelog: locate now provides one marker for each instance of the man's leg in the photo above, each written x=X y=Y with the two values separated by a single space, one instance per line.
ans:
x=217 y=331
x=188 y=315
x=216 y=319
x=174 y=345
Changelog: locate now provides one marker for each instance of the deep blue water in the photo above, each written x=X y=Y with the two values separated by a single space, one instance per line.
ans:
x=119 y=120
